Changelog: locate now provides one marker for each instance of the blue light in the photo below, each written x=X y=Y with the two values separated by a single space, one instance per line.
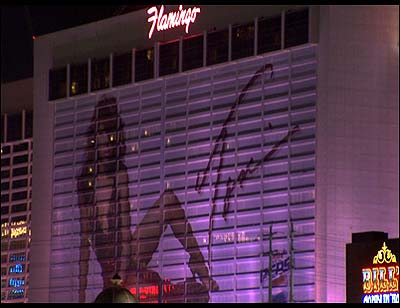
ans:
x=16 y=282
x=16 y=258
x=18 y=268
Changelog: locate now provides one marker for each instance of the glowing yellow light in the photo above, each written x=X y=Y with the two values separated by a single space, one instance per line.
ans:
x=146 y=133
x=168 y=141
x=90 y=169
x=90 y=183
x=18 y=231
x=111 y=138
x=4 y=232
x=384 y=255
x=1 y=151
x=134 y=148
x=92 y=141
x=74 y=85
x=149 y=54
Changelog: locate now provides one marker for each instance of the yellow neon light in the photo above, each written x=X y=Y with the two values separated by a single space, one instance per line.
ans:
x=381 y=278
x=384 y=255
x=15 y=232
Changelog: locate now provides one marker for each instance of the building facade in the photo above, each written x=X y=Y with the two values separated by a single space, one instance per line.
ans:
x=212 y=153
x=16 y=190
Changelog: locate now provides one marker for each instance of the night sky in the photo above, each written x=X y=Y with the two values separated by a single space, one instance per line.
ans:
x=19 y=23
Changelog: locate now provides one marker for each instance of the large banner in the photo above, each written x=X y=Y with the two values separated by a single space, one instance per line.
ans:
x=172 y=183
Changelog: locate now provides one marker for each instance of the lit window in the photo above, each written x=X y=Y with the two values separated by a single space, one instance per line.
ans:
x=149 y=54
x=73 y=87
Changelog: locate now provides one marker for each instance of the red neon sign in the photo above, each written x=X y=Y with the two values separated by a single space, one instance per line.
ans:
x=151 y=292
x=175 y=19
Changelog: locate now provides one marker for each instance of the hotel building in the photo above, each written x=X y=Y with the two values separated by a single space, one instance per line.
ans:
x=16 y=188
x=273 y=128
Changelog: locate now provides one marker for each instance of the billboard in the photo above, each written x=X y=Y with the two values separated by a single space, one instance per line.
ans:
x=171 y=183
x=372 y=269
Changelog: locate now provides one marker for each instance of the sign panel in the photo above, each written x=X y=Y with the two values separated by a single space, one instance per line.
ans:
x=160 y=21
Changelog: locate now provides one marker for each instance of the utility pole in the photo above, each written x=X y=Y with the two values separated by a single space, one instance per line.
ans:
x=291 y=265
x=270 y=266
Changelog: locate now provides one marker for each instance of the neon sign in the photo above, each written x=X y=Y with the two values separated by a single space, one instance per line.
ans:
x=16 y=282
x=175 y=19
x=381 y=281
x=17 y=257
x=15 y=227
x=151 y=293
x=18 y=268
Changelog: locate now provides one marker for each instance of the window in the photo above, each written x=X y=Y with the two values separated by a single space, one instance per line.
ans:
x=4 y=210
x=78 y=79
x=122 y=69
x=20 y=171
x=17 y=245
x=217 y=46
x=296 y=28
x=20 y=159
x=4 y=198
x=192 y=53
x=57 y=83
x=18 y=218
x=19 y=195
x=144 y=64
x=5 y=162
x=14 y=127
x=19 y=208
x=5 y=186
x=5 y=150
x=269 y=34
x=28 y=124
x=20 y=147
x=169 y=58
x=5 y=174
x=100 y=72
x=242 y=41
x=20 y=183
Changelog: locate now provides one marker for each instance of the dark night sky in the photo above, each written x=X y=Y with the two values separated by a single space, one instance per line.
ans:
x=20 y=22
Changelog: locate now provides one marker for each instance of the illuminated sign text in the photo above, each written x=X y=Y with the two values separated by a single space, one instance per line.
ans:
x=18 y=268
x=15 y=227
x=16 y=282
x=161 y=21
x=381 y=281
x=151 y=292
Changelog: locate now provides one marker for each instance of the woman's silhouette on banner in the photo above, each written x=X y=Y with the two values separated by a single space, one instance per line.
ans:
x=105 y=218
